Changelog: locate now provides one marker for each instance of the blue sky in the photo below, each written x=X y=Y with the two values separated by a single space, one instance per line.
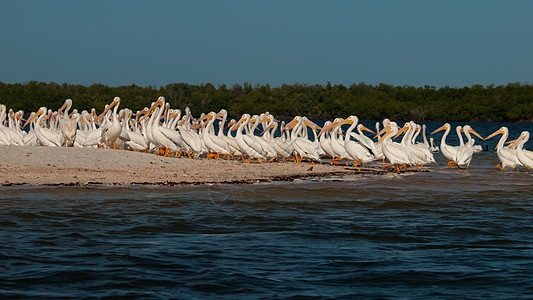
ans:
x=455 y=43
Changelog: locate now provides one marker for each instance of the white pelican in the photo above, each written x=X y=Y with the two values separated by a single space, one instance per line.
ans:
x=337 y=143
x=29 y=139
x=138 y=141
x=248 y=145
x=112 y=130
x=189 y=136
x=465 y=153
x=304 y=147
x=81 y=136
x=396 y=153
x=324 y=139
x=450 y=152
x=433 y=148
x=163 y=136
x=214 y=143
x=45 y=136
x=5 y=137
x=279 y=144
x=524 y=156
x=357 y=150
x=506 y=156
x=94 y=135
x=67 y=126
x=235 y=150
x=420 y=151
x=13 y=137
x=269 y=149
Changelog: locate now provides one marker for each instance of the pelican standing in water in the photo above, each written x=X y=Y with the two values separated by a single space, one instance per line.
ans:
x=396 y=153
x=360 y=152
x=524 y=156
x=465 y=153
x=506 y=156
x=450 y=152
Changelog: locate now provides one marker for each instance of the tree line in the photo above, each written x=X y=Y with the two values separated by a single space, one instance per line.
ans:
x=504 y=103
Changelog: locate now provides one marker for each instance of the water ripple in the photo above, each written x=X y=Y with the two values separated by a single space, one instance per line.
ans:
x=444 y=234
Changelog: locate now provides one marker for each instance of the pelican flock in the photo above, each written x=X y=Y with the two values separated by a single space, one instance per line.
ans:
x=253 y=138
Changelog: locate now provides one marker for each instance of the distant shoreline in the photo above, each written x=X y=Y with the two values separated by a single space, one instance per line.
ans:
x=477 y=103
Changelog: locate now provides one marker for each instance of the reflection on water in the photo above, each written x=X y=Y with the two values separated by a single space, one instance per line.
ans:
x=447 y=233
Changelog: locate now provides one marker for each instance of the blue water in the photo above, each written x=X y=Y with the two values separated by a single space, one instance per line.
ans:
x=447 y=233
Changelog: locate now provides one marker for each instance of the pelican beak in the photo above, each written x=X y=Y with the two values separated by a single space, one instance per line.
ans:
x=472 y=131
x=382 y=131
x=345 y=121
x=270 y=126
x=231 y=122
x=515 y=142
x=312 y=125
x=404 y=129
x=32 y=117
x=290 y=125
x=365 y=128
x=103 y=113
x=325 y=129
x=443 y=127
x=385 y=135
x=220 y=115
x=209 y=115
x=174 y=114
x=264 y=119
x=236 y=125
x=499 y=131
x=62 y=107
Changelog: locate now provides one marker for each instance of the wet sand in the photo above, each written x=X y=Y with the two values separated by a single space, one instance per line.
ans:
x=84 y=166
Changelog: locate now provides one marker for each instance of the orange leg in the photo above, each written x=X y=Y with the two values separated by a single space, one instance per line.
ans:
x=356 y=162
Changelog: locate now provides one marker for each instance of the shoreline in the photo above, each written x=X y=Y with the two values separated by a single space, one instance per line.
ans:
x=60 y=166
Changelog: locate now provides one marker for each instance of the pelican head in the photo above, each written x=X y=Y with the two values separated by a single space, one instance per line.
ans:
x=244 y=119
x=67 y=105
x=446 y=126
x=388 y=130
x=350 y=120
x=502 y=130
x=362 y=127
x=35 y=115
x=405 y=127
x=523 y=136
x=469 y=129
x=310 y=124
x=211 y=115
x=292 y=123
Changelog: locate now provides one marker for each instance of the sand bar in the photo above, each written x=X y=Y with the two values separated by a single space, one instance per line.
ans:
x=86 y=166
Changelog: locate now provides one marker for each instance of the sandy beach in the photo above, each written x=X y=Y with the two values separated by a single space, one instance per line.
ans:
x=85 y=166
